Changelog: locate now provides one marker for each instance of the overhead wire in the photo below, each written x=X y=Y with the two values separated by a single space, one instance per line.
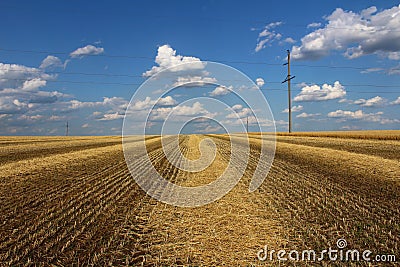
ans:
x=215 y=18
x=37 y=71
x=215 y=60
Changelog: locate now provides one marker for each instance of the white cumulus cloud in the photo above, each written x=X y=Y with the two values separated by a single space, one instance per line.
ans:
x=289 y=40
x=268 y=35
x=113 y=103
x=355 y=34
x=240 y=112
x=19 y=89
x=209 y=129
x=179 y=112
x=260 y=82
x=111 y=116
x=88 y=50
x=148 y=103
x=237 y=107
x=221 y=90
x=370 y=70
x=318 y=93
x=168 y=59
x=51 y=62
x=294 y=109
x=314 y=25
x=308 y=115
x=194 y=81
x=33 y=84
x=396 y=102
x=376 y=101
x=345 y=115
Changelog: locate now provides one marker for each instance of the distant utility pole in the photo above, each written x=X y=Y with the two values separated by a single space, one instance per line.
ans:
x=66 y=130
x=288 y=78
x=247 y=125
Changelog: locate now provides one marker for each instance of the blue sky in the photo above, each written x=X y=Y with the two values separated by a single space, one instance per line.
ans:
x=81 y=62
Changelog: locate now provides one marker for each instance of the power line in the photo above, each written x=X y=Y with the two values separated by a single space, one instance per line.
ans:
x=83 y=82
x=222 y=61
x=350 y=91
x=351 y=85
x=138 y=84
x=140 y=76
x=266 y=89
x=40 y=71
x=66 y=53
x=210 y=18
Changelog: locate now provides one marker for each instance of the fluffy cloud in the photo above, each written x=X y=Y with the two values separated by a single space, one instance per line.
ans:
x=260 y=82
x=294 y=109
x=88 y=50
x=209 y=129
x=31 y=118
x=57 y=118
x=317 y=93
x=180 y=111
x=112 y=116
x=396 y=102
x=369 y=70
x=237 y=107
x=393 y=55
x=166 y=101
x=195 y=109
x=51 y=62
x=43 y=97
x=252 y=120
x=116 y=103
x=19 y=89
x=394 y=70
x=267 y=36
x=24 y=104
x=372 y=102
x=289 y=40
x=168 y=59
x=28 y=119
x=194 y=81
x=308 y=115
x=360 y=115
x=240 y=112
x=314 y=25
x=221 y=90
x=14 y=75
x=10 y=105
x=357 y=34
x=33 y=84
x=111 y=108
x=148 y=103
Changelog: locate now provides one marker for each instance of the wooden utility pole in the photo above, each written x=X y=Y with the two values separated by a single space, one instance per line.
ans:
x=247 y=125
x=66 y=130
x=288 y=78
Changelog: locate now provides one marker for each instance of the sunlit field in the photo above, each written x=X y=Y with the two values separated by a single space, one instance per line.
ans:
x=71 y=200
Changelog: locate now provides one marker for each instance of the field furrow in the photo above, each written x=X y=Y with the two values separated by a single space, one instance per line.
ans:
x=73 y=201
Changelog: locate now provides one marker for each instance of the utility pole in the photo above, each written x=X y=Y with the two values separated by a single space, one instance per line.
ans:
x=288 y=78
x=247 y=124
x=66 y=130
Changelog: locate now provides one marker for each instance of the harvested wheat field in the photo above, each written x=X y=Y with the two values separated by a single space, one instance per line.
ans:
x=72 y=201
